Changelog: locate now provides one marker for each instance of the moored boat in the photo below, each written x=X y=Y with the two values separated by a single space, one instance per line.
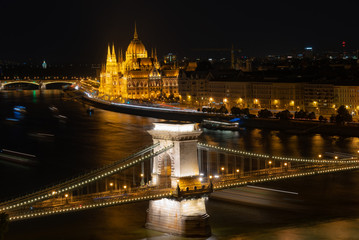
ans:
x=220 y=124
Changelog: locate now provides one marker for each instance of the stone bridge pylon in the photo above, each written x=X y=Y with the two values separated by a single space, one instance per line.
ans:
x=178 y=167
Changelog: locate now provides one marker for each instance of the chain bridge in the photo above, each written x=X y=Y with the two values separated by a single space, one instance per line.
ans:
x=40 y=83
x=175 y=174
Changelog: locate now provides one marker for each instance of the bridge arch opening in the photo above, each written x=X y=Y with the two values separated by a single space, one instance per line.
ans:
x=20 y=85
x=165 y=169
x=56 y=85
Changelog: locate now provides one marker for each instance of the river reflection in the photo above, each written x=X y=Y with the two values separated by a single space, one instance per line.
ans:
x=85 y=142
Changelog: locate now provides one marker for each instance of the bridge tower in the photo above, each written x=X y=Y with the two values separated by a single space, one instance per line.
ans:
x=178 y=168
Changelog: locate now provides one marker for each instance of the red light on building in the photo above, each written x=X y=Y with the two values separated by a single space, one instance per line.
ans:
x=343 y=44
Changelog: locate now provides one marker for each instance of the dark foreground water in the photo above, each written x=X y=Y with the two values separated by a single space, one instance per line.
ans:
x=327 y=207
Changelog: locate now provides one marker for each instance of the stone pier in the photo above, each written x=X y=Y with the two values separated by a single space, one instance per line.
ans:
x=178 y=168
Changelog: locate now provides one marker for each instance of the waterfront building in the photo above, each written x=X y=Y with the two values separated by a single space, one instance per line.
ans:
x=229 y=88
x=136 y=74
x=235 y=88
x=287 y=95
x=193 y=87
x=319 y=98
x=347 y=96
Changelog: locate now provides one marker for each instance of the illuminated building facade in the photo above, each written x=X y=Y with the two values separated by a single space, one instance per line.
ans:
x=136 y=75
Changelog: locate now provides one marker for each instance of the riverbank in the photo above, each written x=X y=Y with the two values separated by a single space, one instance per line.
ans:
x=289 y=126
x=302 y=127
x=142 y=110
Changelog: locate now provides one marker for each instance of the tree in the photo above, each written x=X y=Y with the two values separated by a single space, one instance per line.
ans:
x=284 y=115
x=300 y=114
x=245 y=111
x=4 y=224
x=235 y=110
x=311 y=115
x=264 y=113
x=343 y=115
x=332 y=118
x=222 y=110
x=238 y=111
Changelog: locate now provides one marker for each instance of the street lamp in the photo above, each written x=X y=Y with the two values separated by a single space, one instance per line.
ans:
x=237 y=171
x=285 y=164
x=320 y=155
x=291 y=103
x=66 y=198
x=142 y=179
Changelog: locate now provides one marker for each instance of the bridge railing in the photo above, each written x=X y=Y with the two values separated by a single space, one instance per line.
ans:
x=86 y=174
x=152 y=195
x=80 y=181
x=148 y=193
x=274 y=176
x=271 y=157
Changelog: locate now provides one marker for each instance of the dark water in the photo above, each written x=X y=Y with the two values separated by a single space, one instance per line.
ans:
x=327 y=207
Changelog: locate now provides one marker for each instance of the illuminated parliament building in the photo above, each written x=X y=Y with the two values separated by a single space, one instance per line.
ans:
x=136 y=75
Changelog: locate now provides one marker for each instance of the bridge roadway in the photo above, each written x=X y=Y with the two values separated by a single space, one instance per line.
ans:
x=83 y=180
x=111 y=198
x=36 y=81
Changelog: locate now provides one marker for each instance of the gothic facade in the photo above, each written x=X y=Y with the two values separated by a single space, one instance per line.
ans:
x=136 y=75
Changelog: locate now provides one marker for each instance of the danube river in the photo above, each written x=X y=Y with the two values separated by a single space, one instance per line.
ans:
x=325 y=207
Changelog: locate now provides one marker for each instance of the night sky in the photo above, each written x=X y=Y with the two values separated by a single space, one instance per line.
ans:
x=78 y=31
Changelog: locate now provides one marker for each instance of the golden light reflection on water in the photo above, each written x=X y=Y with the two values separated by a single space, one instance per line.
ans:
x=108 y=136
x=120 y=134
x=341 y=229
x=281 y=144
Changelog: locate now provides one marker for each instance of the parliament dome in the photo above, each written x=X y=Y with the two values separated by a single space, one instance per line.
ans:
x=136 y=48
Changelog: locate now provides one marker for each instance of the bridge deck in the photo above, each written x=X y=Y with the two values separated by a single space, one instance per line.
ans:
x=82 y=180
x=111 y=198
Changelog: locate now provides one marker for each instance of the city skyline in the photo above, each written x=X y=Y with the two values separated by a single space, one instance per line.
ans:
x=198 y=119
x=79 y=32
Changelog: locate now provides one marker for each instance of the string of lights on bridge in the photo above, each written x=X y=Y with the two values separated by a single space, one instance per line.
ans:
x=89 y=206
x=169 y=194
x=220 y=186
x=90 y=174
x=82 y=183
x=289 y=159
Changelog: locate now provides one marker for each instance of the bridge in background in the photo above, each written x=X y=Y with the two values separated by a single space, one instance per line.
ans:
x=176 y=174
x=41 y=83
